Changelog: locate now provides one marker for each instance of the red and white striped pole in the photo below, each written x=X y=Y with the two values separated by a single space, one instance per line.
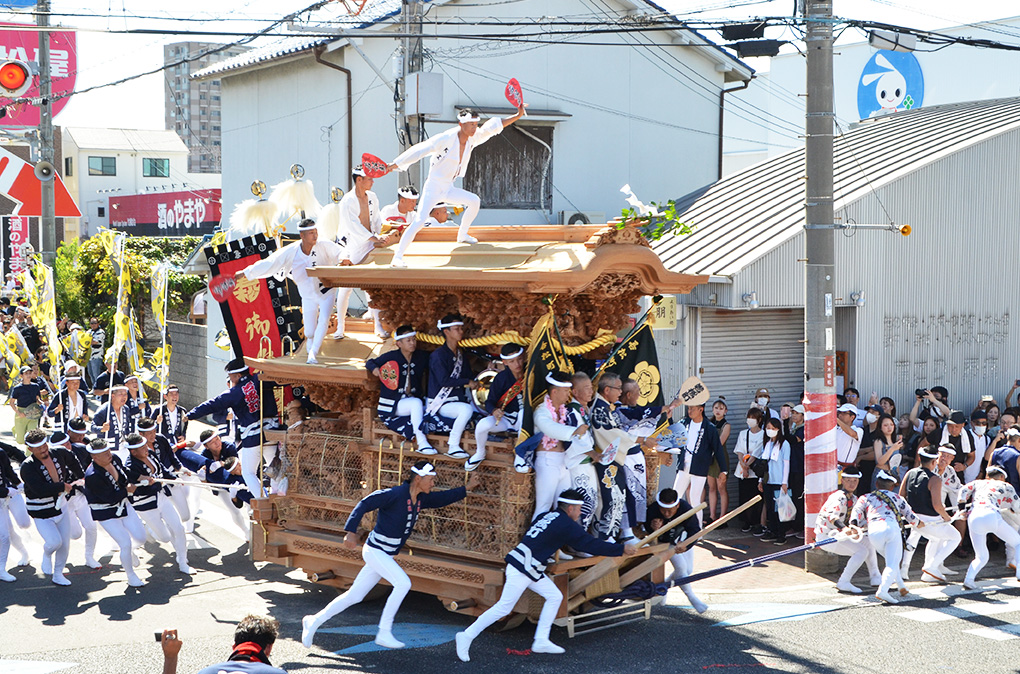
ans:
x=819 y=456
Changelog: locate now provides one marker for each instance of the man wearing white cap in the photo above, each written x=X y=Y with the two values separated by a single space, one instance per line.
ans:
x=361 y=226
x=450 y=152
x=50 y=475
x=884 y=514
x=401 y=210
x=113 y=421
x=923 y=489
x=525 y=570
x=171 y=420
x=834 y=518
x=151 y=499
x=296 y=259
x=557 y=425
x=448 y=408
x=107 y=489
x=848 y=436
x=70 y=401
x=668 y=505
x=505 y=402
x=398 y=509
x=994 y=509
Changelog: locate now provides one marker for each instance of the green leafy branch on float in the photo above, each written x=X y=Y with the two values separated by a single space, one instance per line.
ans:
x=653 y=222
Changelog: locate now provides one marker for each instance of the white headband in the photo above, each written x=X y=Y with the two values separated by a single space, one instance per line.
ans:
x=511 y=356
x=424 y=471
x=928 y=455
x=130 y=377
x=851 y=472
x=947 y=450
x=76 y=377
x=996 y=469
x=1012 y=433
x=465 y=117
x=137 y=444
x=118 y=387
x=358 y=170
x=668 y=505
x=882 y=475
x=104 y=448
x=308 y=227
x=570 y=501
x=406 y=335
x=443 y=326
x=69 y=364
x=549 y=379
x=407 y=194
x=238 y=370
x=37 y=444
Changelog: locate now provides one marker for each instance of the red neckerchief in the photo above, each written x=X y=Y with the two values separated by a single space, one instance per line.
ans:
x=249 y=651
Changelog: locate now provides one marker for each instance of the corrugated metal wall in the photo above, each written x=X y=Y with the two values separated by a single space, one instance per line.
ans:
x=940 y=302
x=744 y=350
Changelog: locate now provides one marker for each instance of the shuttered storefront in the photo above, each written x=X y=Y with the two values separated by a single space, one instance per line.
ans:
x=741 y=351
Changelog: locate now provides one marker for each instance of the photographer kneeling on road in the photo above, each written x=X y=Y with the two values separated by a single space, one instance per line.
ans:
x=253 y=642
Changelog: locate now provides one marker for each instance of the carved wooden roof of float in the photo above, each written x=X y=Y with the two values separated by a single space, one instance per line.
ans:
x=531 y=259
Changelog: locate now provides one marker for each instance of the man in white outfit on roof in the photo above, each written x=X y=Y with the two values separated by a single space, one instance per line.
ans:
x=296 y=259
x=450 y=152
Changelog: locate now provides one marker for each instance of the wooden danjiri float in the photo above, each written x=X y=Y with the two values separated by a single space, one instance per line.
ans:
x=594 y=276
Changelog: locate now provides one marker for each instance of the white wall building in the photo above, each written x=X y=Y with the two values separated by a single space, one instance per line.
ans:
x=104 y=163
x=599 y=116
x=766 y=119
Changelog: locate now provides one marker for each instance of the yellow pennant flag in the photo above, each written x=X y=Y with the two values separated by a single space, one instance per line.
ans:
x=45 y=312
x=114 y=244
x=160 y=277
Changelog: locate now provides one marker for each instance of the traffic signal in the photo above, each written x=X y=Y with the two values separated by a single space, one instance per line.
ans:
x=15 y=78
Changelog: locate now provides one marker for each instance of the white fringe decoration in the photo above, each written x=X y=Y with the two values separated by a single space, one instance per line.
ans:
x=329 y=222
x=294 y=196
x=251 y=217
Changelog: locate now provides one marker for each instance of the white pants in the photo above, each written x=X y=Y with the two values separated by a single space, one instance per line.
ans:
x=461 y=414
x=683 y=565
x=343 y=300
x=431 y=194
x=696 y=484
x=18 y=510
x=179 y=497
x=378 y=566
x=942 y=537
x=56 y=535
x=165 y=524
x=859 y=552
x=122 y=535
x=236 y=514
x=984 y=521
x=316 y=309
x=6 y=531
x=551 y=479
x=885 y=536
x=413 y=407
x=584 y=479
x=515 y=585
x=81 y=521
x=251 y=461
x=486 y=426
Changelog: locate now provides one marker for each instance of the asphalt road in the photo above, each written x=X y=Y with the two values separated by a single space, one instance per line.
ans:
x=100 y=626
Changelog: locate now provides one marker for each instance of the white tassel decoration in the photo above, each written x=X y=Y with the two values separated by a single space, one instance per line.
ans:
x=294 y=196
x=251 y=217
x=329 y=222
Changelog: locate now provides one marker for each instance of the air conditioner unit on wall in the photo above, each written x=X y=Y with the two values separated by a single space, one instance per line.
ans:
x=582 y=218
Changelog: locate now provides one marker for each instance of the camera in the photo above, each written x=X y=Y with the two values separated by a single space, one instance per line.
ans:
x=920 y=392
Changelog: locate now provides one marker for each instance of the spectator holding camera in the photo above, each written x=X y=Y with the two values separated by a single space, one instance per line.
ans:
x=253 y=642
x=933 y=402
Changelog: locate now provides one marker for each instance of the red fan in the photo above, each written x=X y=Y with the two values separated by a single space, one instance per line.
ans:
x=220 y=287
x=513 y=92
x=389 y=374
x=373 y=166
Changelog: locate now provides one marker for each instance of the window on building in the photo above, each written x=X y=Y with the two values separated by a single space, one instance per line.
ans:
x=216 y=127
x=507 y=172
x=201 y=97
x=216 y=98
x=102 y=166
x=216 y=142
x=215 y=113
x=68 y=165
x=101 y=211
x=216 y=83
x=203 y=127
x=155 y=168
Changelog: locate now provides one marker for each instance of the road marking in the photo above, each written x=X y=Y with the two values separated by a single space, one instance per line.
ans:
x=414 y=635
x=962 y=610
x=769 y=612
x=30 y=667
x=1000 y=633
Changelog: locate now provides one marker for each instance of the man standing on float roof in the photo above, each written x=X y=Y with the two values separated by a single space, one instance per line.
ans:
x=296 y=259
x=451 y=152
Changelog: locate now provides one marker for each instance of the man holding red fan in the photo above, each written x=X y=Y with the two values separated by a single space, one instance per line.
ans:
x=450 y=152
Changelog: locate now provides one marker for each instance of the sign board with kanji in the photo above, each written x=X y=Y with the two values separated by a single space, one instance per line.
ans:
x=663 y=314
x=191 y=212
x=693 y=392
x=23 y=45
x=15 y=236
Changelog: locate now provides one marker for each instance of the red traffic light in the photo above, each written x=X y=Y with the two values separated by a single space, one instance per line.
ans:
x=15 y=78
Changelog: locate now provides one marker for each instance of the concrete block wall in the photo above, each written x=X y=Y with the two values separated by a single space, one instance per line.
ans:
x=187 y=361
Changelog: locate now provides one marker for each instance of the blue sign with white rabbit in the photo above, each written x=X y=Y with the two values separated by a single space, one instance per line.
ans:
x=890 y=81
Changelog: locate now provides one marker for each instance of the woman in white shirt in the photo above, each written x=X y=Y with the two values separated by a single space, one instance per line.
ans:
x=776 y=451
x=749 y=447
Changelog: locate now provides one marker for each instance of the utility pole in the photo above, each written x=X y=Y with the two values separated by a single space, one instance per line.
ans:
x=46 y=151
x=411 y=16
x=819 y=274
